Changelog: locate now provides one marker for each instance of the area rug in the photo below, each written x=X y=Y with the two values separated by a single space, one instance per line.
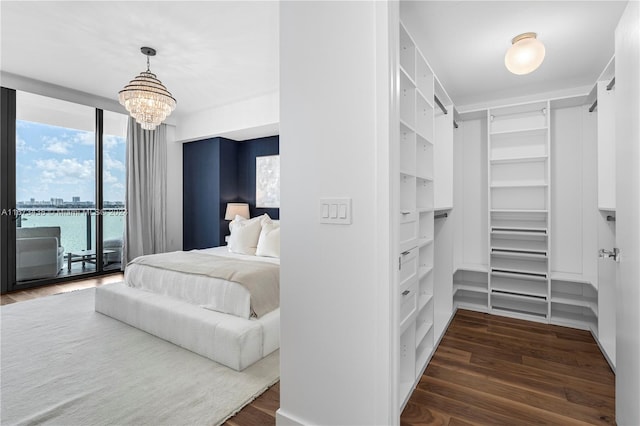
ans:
x=64 y=364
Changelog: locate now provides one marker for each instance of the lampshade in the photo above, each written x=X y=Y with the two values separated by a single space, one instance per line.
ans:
x=233 y=209
x=146 y=98
x=525 y=54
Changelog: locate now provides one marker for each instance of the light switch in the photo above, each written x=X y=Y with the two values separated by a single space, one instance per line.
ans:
x=342 y=211
x=335 y=211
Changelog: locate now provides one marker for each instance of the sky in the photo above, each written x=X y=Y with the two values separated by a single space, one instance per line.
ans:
x=57 y=162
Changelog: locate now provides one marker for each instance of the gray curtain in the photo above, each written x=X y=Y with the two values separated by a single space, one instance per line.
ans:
x=146 y=192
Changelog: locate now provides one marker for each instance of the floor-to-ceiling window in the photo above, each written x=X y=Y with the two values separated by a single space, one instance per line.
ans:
x=69 y=190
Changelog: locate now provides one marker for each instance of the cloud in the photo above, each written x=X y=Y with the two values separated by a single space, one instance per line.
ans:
x=108 y=177
x=22 y=145
x=66 y=171
x=111 y=163
x=85 y=138
x=56 y=146
x=110 y=141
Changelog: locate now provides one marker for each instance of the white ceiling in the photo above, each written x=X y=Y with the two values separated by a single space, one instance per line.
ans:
x=212 y=53
x=465 y=43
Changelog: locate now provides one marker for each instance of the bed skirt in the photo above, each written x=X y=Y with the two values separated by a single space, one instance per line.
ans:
x=229 y=340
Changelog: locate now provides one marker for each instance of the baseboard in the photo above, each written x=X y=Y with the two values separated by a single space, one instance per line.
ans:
x=286 y=419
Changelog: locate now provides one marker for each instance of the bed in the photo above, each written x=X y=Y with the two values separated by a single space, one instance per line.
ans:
x=231 y=317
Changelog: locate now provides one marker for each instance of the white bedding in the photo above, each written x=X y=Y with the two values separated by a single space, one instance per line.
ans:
x=212 y=293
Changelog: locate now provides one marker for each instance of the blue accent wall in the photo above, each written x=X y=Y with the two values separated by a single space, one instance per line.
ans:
x=217 y=171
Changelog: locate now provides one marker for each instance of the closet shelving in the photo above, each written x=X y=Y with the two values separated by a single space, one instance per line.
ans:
x=416 y=215
x=471 y=289
x=519 y=222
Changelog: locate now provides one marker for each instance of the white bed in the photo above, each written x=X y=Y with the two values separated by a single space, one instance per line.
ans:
x=206 y=315
x=211 y=293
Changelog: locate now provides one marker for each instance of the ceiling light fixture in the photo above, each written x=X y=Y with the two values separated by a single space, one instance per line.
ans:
x=146 y=98
x=525 y=54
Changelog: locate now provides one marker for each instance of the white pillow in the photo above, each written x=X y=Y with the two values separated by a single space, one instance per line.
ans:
x=244 y=235
x=269 y=241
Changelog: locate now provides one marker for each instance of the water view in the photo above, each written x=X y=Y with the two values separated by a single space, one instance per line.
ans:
x=73 y=228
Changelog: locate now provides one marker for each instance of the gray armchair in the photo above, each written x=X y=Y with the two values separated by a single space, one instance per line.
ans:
x=38 y=252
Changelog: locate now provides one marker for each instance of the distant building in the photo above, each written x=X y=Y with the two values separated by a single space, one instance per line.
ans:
x=75 y=199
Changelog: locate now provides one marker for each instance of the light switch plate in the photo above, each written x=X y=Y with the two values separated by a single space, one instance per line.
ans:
x=335 y=211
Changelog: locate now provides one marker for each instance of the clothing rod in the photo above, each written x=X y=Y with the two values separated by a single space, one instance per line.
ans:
x=595 y=104
x=440 y=104
x=611 y=83
x=611 y=218
x=455 y=125
x=440 y=216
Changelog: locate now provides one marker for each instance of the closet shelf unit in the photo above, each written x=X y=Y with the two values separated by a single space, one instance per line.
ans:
x=415 y=224
x=519 y=202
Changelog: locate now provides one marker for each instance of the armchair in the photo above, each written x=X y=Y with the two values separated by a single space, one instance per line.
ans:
x=38 y=252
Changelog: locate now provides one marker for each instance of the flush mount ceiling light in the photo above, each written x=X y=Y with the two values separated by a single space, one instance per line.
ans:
x=146 y=98
x=525 y=54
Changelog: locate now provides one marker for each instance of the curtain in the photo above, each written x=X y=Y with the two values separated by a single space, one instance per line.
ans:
x=146 y=191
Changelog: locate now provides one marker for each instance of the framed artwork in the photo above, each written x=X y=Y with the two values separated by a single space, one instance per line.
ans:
x=268 y=181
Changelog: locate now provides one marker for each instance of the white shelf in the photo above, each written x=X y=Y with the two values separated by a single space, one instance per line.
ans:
x=516 y=132
x=421 y=332
x=517 y=275
x=407 y=75
x=423 y=300
x=518 y=254
x=472 y=267
x=516 y=288
x=424 y=241
x=521 y=184
x=532 y=211
x=575 y=300
x=470 y=286
x=423 y=271
x=523 y=159
x=567 y=277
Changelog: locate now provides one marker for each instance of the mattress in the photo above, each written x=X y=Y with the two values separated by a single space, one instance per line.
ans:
x=211 y=293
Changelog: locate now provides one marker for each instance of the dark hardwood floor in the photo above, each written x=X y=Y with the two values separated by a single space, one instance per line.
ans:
x=501 y=371
x=487 y=370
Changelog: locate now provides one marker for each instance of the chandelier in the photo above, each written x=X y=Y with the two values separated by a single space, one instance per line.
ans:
x=146 y=98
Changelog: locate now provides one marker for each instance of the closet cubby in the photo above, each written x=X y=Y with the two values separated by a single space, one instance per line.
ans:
x=517 y=196
x=423 y=156
x=424 y=194
x=407 y=101
x=519 y=146
x=528 y=173
x=424 y=79
x=424 y=123
x=523 y=306
x=407 y=150
x=574 y=304
x=407 y=193
x=470 y=289
x=407 y=54
x=519 y=118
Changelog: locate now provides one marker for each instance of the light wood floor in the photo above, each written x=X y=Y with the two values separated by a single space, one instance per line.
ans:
x=487 y=370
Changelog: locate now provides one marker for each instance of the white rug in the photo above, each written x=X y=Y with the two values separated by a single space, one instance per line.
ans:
x=64 y=364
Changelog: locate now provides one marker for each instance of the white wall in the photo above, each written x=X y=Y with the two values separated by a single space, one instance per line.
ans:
x=248 y=119
x=474 y=192
x=573 y=192
x=174 y=191
x=335 y=279
x=628 y=215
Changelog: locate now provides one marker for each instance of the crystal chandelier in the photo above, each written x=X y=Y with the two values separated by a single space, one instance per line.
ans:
x=146 y=98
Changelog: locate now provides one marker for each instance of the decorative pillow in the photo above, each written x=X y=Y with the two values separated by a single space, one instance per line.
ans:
x=244 y=235
x=269 y=241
